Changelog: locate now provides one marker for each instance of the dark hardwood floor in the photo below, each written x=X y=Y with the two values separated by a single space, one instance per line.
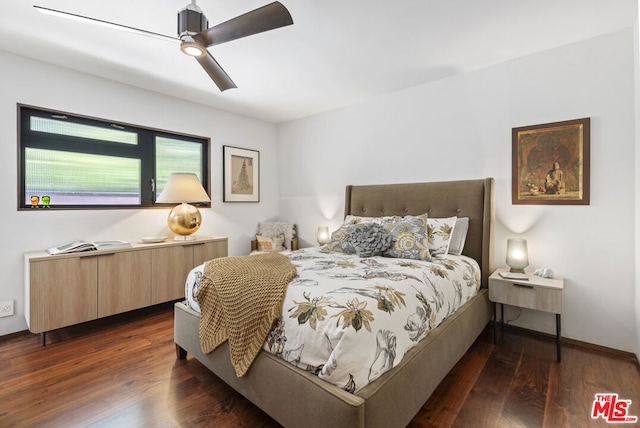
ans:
x=122 y=372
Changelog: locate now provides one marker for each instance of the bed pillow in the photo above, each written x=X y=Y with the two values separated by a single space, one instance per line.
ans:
x=270 y=243
x=368 y=239
x=459 y=236
x=339 y=241
x=439 y=231
x=339 y=238
x=409 y=239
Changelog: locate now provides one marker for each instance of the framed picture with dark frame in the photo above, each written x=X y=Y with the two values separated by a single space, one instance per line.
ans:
x=241 y=179
x=550 y=163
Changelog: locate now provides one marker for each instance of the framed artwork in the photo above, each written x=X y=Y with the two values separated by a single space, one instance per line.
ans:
x=241 y=178
x=551 y=163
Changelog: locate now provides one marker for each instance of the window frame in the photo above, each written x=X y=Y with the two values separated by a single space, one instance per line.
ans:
x=144 y=150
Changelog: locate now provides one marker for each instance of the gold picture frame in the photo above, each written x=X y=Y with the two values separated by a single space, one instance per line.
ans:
x=550 y=163
x=241 y=179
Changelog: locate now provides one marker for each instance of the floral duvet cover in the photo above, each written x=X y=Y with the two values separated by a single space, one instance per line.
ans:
x=349 y=319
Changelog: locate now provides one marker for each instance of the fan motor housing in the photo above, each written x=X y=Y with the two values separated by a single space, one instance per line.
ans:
x=191 y=21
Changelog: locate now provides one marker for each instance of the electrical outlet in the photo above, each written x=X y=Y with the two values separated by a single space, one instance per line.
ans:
x=6 y=308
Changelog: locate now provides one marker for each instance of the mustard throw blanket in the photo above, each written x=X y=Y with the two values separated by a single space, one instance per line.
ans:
x=239 y=299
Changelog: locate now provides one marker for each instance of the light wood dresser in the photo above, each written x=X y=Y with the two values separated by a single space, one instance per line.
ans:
x=68 y=289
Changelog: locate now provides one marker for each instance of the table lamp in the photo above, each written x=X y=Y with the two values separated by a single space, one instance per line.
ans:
x=184 y=219
x=323 y=235
x=517 y=255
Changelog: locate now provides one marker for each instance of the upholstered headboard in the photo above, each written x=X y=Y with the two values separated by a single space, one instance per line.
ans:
x=465 y=198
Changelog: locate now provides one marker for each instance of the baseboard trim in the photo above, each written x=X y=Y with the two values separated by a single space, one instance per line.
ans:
x=13 y=335
x=574 y=342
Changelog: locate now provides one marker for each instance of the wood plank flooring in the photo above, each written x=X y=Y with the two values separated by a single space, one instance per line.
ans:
x=122 y=372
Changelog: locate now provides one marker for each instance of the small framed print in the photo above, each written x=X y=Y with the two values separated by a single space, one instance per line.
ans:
x=550 y=163
x=241 y=178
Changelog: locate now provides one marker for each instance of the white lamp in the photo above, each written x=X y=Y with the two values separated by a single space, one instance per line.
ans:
x=517 y=254
x=183 y=188
x=323 y=235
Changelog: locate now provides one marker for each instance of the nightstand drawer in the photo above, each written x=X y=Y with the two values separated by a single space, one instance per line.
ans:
x=525 y=296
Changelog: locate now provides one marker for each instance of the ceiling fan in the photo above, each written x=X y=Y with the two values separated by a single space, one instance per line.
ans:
x=195 y=36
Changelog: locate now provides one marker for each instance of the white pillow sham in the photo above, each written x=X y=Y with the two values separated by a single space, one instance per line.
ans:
x=439 y=232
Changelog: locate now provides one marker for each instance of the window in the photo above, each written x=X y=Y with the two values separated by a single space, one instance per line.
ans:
x=69 y=161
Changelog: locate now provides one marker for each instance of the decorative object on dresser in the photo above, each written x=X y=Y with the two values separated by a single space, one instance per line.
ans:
x=527 y=291
x=550 y=163
x=517 y=254
x=67 y=289
x=183 y=188
x=79 y=246
x=241 y=174
x=396 y=388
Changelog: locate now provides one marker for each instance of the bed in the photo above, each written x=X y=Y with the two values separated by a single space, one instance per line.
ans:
x=295 y=397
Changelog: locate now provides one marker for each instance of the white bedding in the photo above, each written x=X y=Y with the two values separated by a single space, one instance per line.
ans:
x=350 y=319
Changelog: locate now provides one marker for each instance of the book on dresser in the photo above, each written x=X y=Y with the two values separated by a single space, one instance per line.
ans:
x=79 y=246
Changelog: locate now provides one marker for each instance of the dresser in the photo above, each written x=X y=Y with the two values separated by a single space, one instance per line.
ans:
x=67 y=289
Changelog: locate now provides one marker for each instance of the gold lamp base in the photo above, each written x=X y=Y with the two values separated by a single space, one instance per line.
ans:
x=184 y=220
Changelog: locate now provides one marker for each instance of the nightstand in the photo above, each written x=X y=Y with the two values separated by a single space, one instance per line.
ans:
x=535 y=292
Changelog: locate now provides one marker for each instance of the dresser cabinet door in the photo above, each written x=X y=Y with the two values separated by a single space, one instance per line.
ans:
x=169 y=269
x=209 y=251
x=124 y=282
x=63 y=292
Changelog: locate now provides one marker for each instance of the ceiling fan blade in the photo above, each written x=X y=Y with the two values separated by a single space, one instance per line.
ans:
x=265 y=18
x=217 y=74
x=87 y=19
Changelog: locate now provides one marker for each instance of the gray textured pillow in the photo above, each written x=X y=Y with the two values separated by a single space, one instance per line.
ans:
x=339 y=238
x=369 y=239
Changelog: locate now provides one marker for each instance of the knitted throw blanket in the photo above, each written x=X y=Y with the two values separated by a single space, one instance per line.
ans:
x=240 y=298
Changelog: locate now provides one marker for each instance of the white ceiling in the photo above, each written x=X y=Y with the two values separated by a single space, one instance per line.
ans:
x=338 y=52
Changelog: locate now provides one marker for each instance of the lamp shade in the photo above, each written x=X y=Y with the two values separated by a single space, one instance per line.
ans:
x=183 y=187
x=323 y=236
x=517 y=254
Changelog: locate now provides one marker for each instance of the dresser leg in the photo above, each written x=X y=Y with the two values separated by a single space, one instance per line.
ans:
x=558 y=336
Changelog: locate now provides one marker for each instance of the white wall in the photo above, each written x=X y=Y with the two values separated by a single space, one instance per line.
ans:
x=460 y=128
x=34 y=83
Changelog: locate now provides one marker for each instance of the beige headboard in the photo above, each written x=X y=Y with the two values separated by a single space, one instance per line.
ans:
x=465 y=198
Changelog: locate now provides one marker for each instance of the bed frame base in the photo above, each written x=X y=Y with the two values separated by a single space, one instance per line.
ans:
x=390 y=401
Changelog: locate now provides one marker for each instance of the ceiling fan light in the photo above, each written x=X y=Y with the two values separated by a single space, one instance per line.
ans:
x=190 y=47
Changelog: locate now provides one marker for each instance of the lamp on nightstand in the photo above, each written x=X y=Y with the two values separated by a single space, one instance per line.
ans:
x=517 y=255
x=183 y=188
x=323 y=235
